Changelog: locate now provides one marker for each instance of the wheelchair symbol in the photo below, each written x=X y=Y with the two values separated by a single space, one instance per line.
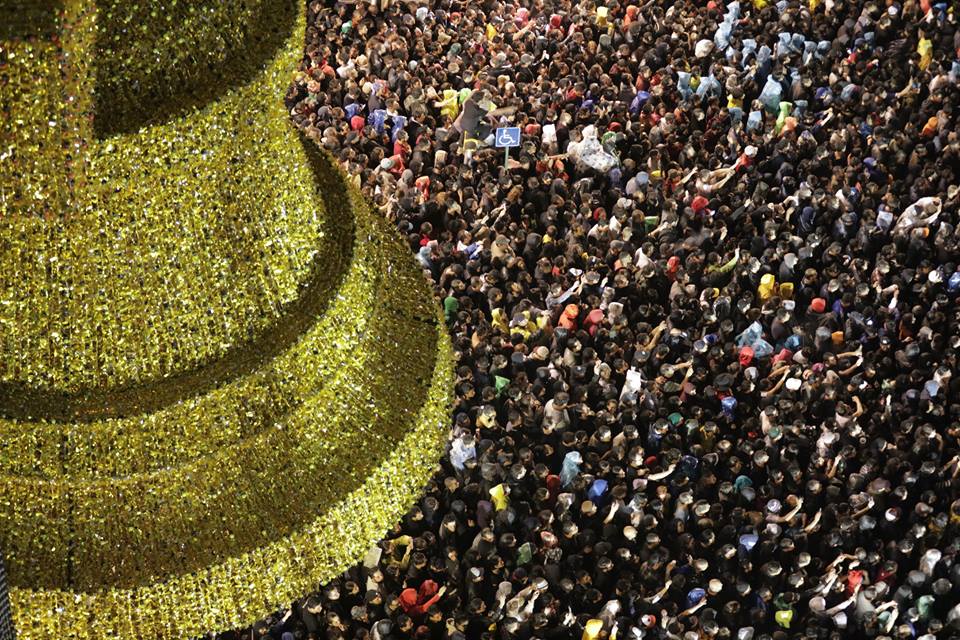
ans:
x=508 y=137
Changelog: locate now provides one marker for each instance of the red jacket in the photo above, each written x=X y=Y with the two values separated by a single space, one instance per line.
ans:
x=415 y=603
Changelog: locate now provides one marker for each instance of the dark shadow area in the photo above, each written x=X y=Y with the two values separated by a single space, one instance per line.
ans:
x=28 y=18
x=7 y=630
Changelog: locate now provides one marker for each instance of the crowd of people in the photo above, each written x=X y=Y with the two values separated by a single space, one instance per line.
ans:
x=705 y=315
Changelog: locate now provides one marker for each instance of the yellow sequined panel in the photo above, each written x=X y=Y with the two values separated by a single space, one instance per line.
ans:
x=201 y=323
x=163 y=249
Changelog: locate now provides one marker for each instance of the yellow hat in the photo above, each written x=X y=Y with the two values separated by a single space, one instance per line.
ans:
x=205 y=324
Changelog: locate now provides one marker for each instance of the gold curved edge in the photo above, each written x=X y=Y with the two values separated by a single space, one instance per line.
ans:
x=125 y=572
x=162 y=527
x=236 y=591
x=245 y=588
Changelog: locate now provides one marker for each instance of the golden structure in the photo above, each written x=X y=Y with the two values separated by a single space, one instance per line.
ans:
x=222 y=378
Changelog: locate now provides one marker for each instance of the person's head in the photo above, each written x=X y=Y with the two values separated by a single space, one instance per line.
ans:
x=392 y=604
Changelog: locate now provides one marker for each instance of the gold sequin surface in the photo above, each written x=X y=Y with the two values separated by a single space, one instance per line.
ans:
x=201 y=324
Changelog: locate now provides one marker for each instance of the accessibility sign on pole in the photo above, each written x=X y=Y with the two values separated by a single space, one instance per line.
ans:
x=507 y=137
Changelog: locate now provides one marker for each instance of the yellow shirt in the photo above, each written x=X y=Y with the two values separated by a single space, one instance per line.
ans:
x=925 y=49
x=499 y=497
x=767 y=288
x=591 y=630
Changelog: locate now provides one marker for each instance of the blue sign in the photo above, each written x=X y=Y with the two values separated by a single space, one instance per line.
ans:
x=508 y=137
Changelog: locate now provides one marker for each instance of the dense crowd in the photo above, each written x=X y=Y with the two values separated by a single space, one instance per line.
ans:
x=705 y=316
